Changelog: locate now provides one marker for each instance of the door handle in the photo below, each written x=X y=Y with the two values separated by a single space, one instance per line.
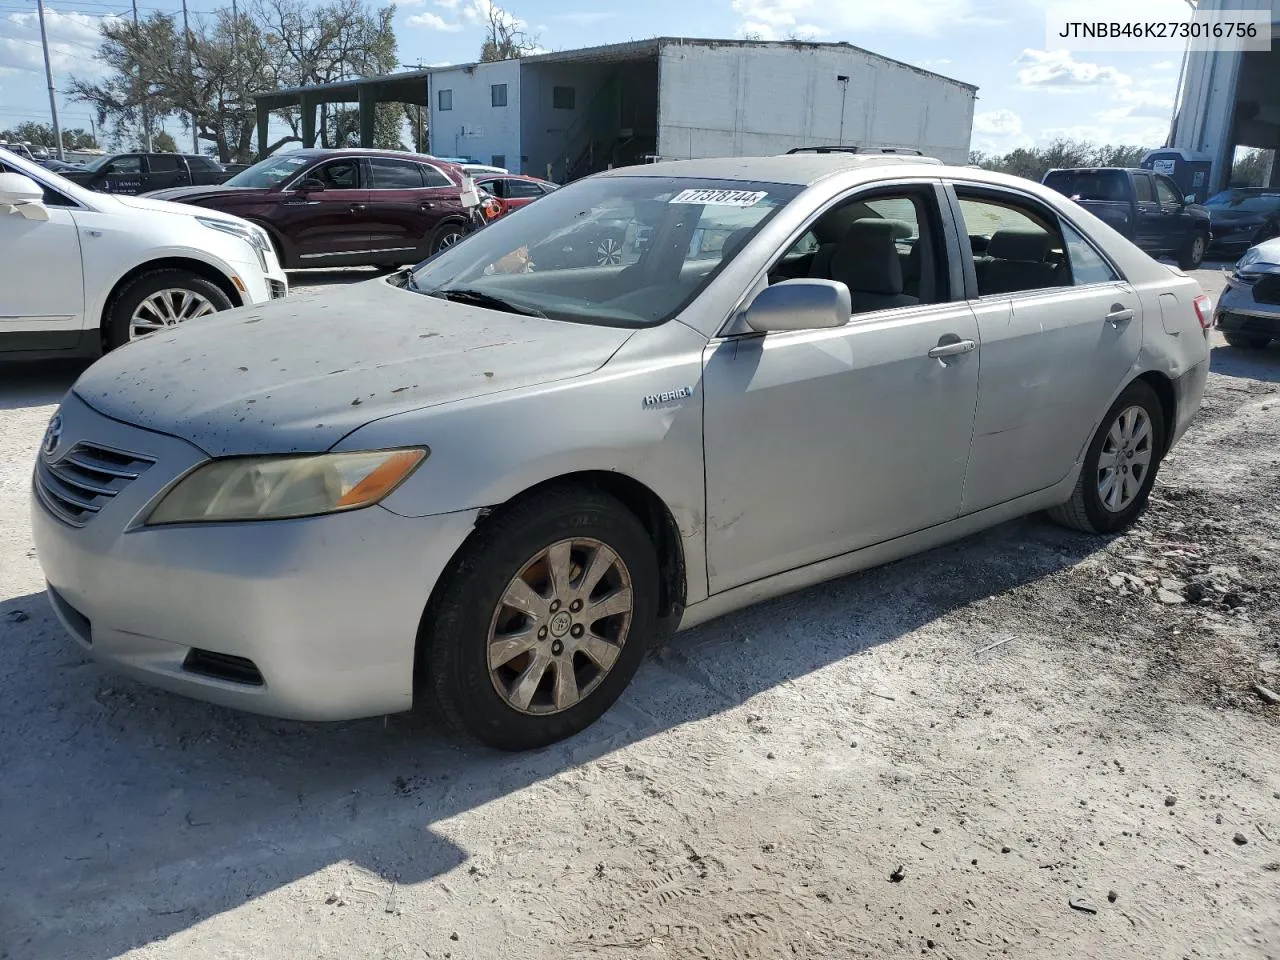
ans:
x=357 y=208
x=1119 y=314
x=952 y=349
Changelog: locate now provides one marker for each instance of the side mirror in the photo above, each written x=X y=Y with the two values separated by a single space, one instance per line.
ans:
x=1189 y=198
x=800 y=305
x=310 y=185
x=21 y=195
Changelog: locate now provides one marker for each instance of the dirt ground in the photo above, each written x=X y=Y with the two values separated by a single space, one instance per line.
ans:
x=942 y=757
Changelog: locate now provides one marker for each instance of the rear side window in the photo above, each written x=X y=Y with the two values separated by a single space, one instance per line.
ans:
x=1089 y=184
x=394 y=175
x=432 y=177
x=520 y=189
x=164 y=163
x=1016 y=246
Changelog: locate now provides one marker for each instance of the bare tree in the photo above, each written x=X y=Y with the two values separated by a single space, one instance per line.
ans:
x=505 y=39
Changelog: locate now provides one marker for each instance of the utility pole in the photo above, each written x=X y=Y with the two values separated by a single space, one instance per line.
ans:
x=236 y=91
x=191 y=78
x=146 y=113
x=48 y=72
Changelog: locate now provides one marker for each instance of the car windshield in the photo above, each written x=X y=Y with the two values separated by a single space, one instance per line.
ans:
x=616 y=251
x=1089 y=184
x=270 y=172
x=1250 y=202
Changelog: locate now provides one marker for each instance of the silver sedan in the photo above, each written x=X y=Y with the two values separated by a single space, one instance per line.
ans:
x=494 y=480
x=1248 y=314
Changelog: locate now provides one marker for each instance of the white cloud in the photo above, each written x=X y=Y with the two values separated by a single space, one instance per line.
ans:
x=998 y=131
x=74 y=39
x=1163 y=65
x=586 y=17
x=432 y=22
x=1058 y=70
x=776 y=19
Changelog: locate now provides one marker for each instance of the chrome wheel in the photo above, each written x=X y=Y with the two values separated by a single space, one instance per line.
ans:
x=449 y=239
x=1197 y=249
x=167 y=308
x=560 y=626
x=1125 y=459
x=609 y=252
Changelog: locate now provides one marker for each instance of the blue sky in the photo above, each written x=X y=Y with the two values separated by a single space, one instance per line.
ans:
x=1028 y=94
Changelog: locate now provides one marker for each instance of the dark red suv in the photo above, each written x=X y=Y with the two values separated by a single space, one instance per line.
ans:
x=327 y=208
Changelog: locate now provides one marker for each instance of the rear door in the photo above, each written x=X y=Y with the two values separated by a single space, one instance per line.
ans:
x=164 y=170
x=1059 y=339
x=407 y=200
x=329 y=226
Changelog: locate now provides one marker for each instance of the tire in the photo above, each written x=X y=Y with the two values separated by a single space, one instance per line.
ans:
x=1245 y=342
x=446 y=236
x=1086 y=509
x=132 y=296
x=1192 y=254
x=456 y=672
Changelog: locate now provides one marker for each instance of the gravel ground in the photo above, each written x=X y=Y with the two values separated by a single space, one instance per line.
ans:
x=949 y=756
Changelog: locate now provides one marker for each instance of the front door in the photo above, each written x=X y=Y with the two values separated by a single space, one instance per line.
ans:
x=42 y=284
x=819 y=442
x=1149 y=231
x=1060 y=335
x=331 y=226
x=1176 y=222
x=123 y=174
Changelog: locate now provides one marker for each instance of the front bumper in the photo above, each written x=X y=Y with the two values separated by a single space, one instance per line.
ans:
x=325 y=610
x=1250 y=308
x=261 y=285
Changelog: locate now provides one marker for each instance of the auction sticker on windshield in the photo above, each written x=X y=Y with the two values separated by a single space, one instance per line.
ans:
x=721 y=198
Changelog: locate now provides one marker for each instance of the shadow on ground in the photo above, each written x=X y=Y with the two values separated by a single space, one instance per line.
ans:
x=131 y=814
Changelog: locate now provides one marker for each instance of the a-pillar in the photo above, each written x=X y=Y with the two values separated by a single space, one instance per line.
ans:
x=368 y=96
x=309 y=105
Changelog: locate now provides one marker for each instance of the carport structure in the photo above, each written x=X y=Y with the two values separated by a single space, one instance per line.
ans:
x=368 y=92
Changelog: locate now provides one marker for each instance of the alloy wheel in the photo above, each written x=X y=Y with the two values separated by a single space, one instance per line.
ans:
x=609 y=252
x=560 y=626
x=1125 y=459
x=167 y=308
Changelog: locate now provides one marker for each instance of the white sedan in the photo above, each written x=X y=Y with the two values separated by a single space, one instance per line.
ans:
x=84 y=272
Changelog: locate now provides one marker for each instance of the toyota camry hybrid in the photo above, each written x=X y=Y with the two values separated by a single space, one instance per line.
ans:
x=491 y=483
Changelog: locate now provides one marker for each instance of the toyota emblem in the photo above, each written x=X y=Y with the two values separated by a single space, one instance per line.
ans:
x=53 y=435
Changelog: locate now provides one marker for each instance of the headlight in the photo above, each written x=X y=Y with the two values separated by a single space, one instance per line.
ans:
x=276 y=488
x=251 y=234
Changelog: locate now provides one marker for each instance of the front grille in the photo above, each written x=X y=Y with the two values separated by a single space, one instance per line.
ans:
x=278 y=288
x=85 y=478
x=222 y=666
x=1267 y=290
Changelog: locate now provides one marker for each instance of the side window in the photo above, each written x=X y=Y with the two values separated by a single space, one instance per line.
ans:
x=563 y=98
x=52 y=198
x=394 y=175
x=497 y=187
x=163 y=162
x=445 y=99
x=522 y=189
x=432 y=177
x=1016 y=245
x=124 y=165
x=1086 y=265
x=498 y=94
x=339 y=174
x=886 y=248
x=1142 y=188
x=1168 y=193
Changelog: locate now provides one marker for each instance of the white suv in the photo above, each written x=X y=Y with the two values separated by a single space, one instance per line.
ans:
x=84 y=272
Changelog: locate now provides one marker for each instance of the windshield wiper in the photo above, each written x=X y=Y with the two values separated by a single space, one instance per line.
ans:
x=481 y=299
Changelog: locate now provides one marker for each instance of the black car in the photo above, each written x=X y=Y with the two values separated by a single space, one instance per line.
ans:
x=1243 y=217
x=134 y=173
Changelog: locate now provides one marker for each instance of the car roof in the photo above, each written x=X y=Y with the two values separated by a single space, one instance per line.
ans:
x=800 y=169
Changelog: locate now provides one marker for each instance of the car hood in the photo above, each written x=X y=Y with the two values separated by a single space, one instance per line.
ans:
x=154 y=205
x=298 y=374
x=1225 y=215
x=188 y=194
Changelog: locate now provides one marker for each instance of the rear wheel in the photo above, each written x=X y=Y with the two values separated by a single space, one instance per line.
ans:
x=542 y=620
x=447 y=236
x=159 y=300
x=1245 y=341
x=1120 y=465
x=1192 y=255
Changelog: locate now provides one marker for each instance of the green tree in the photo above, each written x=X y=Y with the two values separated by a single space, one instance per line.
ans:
x=1034 y=162
x=163 y=142
x=1250 y=169
x=75 y=138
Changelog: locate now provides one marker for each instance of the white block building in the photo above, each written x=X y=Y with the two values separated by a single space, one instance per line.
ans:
x=572 y=113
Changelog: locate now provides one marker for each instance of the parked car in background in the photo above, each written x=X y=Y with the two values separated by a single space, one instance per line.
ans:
x=39 y=152
x=137 y=173
x=514 y=190
x=325 y=208
x=18 y=149
x=1243 y=217
x=83 y=272
x=60 y=166
x=492 y=484
x=1145 y=207
x=1248 y=312
x=476 y=169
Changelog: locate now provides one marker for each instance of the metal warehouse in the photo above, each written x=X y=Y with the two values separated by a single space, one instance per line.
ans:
x=568 y=114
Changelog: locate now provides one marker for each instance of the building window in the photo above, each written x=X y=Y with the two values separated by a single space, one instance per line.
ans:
x=446 y=99
x=500 y=160
x=498 y=94
x=562 y=98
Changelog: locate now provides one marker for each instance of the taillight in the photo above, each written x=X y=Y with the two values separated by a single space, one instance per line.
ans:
x=1204 y=311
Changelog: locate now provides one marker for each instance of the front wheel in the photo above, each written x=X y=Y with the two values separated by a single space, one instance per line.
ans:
x=1192 y=255
x=1120 y=465
x=542 y=621
x=159 y=300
